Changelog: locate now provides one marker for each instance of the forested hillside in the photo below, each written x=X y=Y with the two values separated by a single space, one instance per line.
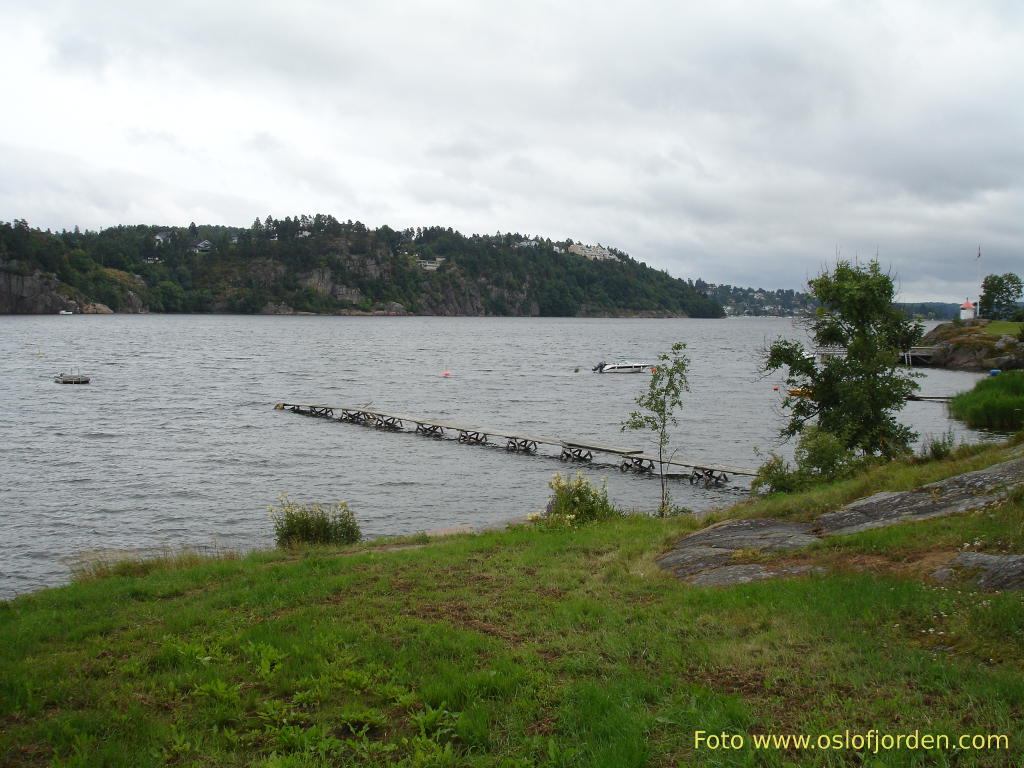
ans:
x=319 y=264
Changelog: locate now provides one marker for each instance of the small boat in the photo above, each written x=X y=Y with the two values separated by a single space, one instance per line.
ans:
x=71 y=378
x=622 y=367
x=65 y=312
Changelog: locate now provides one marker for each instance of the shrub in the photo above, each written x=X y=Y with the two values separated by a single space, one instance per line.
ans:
x=574 y=502
x=995 y=403
x=820 y=457
x=296 y=523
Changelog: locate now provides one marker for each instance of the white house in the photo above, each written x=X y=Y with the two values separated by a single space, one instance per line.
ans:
x=592 y=252
x=430 y=265
x=967 y=310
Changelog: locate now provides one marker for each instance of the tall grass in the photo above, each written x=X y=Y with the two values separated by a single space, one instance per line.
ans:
x=994 y=403
x=296 y=523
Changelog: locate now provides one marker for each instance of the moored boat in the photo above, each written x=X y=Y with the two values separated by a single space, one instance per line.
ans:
x=71 y=378
x=622 y=367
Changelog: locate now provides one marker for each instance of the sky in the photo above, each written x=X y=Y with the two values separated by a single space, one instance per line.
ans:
x=737 y=142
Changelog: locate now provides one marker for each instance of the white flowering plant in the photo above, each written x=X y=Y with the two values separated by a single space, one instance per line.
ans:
x=575 y=502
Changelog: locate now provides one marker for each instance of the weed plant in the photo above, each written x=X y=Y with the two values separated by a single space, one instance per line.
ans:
x=314 y=523
x=574 y=502
x=937 y=448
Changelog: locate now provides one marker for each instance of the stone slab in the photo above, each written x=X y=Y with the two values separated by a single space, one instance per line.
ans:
x=995 y=572
x=953 y=495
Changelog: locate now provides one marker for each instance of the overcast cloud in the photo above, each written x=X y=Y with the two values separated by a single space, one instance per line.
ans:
x=739 y=142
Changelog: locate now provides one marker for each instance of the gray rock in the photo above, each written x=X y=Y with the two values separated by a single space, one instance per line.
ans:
x=742 y=574
x=716 y=544
x=771 y=535
x=997 y=572
x=953 y=495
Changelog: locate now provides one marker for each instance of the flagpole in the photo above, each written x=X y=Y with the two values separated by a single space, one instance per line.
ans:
x=977 y=277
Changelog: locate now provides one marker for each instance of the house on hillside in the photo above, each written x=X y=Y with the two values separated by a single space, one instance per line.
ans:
x=430 y=265
x=592 y=252
x=161 y=238
x=201 y=246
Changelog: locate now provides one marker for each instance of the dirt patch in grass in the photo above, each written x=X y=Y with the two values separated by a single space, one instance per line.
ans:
x=463 y=616
x=543 y=727
x=920 y=565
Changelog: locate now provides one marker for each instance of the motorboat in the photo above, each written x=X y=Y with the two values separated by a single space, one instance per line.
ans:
x=622 y=367
x=71 y=378
x=65 y=312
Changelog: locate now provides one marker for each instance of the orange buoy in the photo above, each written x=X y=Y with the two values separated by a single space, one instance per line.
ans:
x=447 y=373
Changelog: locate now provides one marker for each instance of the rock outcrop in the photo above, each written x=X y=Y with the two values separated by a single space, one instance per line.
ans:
x=707 y=557
x=703 y=558
x=995 y=572
x=34 y=294
x=967 y=346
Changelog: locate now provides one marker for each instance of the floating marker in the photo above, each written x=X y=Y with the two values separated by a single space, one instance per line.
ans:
x=447 y=373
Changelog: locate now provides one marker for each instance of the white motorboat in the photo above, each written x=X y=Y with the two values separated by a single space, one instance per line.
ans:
x=622 y=368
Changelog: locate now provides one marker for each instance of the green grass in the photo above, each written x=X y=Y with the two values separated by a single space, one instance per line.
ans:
x=529 y=647
x=1001 y=327
x=996 y=402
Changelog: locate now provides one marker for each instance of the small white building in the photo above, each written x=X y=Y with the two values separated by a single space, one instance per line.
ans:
x=967 y=310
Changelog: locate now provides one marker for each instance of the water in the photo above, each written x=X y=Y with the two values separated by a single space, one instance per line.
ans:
x=176 y=443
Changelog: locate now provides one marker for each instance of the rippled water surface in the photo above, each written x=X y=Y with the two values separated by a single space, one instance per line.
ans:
x=176 y=443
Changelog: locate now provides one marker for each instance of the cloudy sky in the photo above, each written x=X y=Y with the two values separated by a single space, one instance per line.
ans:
x=740 y=142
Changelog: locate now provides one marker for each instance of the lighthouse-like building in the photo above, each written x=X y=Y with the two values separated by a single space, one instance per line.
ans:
x=967 y=310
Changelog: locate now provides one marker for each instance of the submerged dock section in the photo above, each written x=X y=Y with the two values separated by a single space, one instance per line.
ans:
x=635 y=460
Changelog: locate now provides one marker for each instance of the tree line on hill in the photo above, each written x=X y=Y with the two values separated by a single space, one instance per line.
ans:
x=320 y=264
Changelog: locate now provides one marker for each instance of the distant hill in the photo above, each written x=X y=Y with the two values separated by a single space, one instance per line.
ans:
x=931 y=310
x=319 y=264
x=781 y=302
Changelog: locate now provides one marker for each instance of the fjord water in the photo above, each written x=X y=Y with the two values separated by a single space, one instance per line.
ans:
x=175 y=443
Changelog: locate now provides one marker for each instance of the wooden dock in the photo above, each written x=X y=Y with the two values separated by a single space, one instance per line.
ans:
x=570 y=450
x=919 y=355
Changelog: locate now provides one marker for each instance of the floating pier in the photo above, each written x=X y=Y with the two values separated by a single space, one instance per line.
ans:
x=634 y=460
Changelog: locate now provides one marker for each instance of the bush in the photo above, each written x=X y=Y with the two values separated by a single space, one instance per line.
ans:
x=574 y=502
x=820 y=457
x=995 y=403
x=296 y=523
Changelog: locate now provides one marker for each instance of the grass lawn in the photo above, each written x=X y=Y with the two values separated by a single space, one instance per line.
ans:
x=526 y=647
x=1000 y=327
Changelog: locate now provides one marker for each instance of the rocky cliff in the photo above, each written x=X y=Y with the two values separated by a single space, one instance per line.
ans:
x=33 y=294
